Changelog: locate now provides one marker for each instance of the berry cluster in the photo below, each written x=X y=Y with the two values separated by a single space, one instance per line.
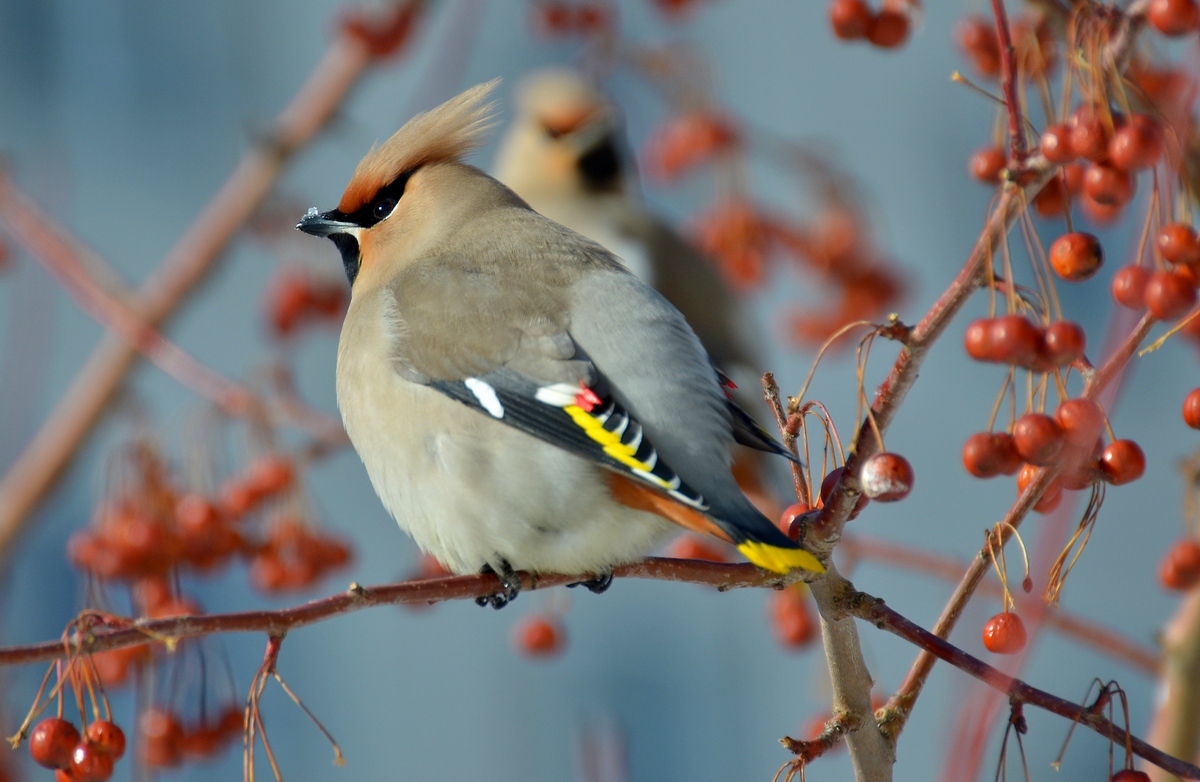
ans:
x=150 y=529
x=560 y=18
x=685 y=142
x=297 y=296
x=167 y=742
x=854 y=20
x=55 y=743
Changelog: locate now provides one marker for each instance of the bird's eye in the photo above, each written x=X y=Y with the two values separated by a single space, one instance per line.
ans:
x=383 y=207
x=553 y=132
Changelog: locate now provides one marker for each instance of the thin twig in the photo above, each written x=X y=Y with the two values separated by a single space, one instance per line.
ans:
x=185 y=265
x=874 y=611
x=1096 y=636
x=723 y=576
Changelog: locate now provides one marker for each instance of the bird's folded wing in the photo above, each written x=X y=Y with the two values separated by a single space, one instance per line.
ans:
x=585 y=419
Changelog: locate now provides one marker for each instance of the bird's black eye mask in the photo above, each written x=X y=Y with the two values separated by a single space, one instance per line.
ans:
x=381 y=206
x=334 y=224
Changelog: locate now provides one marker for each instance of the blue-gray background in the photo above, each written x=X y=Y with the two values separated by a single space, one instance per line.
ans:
x=122 y=117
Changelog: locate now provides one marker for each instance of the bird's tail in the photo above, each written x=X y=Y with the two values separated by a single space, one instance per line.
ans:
x=762 y=542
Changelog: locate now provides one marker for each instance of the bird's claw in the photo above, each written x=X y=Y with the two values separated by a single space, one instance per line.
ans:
x=597 y=585
x=510 y=582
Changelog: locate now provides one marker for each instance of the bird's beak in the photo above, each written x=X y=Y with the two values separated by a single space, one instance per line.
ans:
x=326 y=224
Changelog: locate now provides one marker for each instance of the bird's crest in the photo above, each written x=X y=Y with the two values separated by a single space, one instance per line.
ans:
x=445 y=133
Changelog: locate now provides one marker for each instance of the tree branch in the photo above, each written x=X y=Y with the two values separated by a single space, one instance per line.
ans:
x=902 y=701
x=76 y=266
x=184 y=266
x=723 y=576
x=1096 y=636
x=877 y=613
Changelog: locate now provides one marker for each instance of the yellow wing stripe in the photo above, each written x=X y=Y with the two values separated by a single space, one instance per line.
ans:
x=779 y=560
x=612 y=444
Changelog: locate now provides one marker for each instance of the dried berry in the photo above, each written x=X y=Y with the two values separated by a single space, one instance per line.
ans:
x=1049 y=499
x=90 y=763
x=1108 y=185
x=1056 y=144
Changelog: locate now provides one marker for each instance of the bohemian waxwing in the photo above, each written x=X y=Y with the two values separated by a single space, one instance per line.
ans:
x=520 y=400
x=564 y=153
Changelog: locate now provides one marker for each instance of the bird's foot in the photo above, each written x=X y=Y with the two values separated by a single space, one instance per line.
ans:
x=597 y=585
x=509 y=580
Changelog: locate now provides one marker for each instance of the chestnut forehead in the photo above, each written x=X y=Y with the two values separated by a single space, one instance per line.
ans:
x=359 y=193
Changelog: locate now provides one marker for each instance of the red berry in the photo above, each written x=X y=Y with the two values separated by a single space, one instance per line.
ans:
x=1081 y=421
x=886 y=477
x=1122 y=462
x=161 y=742
x=107 y=735
x=1191 y=409
x=695 y=547
x=1049 y=499
x=1039 y=438
x=1173 y=17
x=232 y=721
x=977 y=38
x=1004 y=634
x=1130 y=775
x=1076 y=256
x=202 y=741
x=988 y=454
x=1129 y=286
x=538 y=636
x=787 y=521
x=52 y=742
x=1051 y=200
x=850 y=19
x=1056 y=144
x=827 y=485
x=1137 y=144
x=978 y=340
x=1108 y=185
x=987 y=164
x=270 y=475
x=1064 y=342
x=1014 y=340
x=90 y=763
x=1180 y=568
x=1072 y=175
x=888 y=29
x=1178 y=243
x=792 y=618
x=1170 y=294
x=1088 y=133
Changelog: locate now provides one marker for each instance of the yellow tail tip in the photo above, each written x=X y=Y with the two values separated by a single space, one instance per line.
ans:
x=779 y=560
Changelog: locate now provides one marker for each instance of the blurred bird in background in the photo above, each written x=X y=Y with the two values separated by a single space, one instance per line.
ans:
x=565 y=155
x=520 y=400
